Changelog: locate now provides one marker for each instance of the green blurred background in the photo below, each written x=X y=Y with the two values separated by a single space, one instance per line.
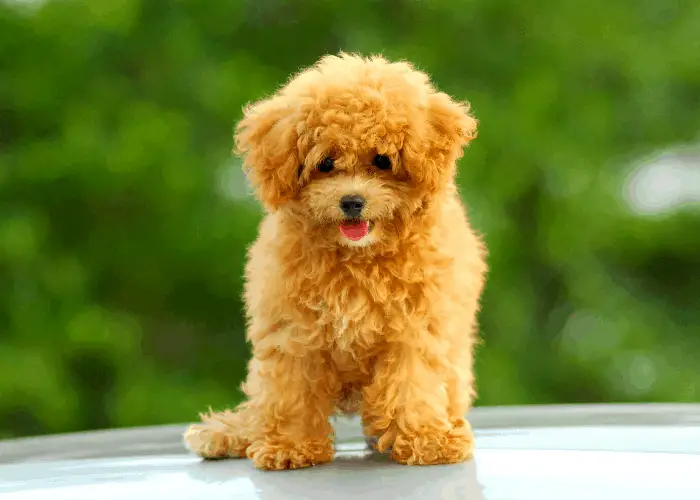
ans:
x=124 y=220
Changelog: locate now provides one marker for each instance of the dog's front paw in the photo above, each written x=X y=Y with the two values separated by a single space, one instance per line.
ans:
x=209 y=440
x=271 y=454
x=430 y=448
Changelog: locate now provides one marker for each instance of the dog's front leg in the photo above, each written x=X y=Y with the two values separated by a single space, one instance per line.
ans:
x=284 y=422
x=406 y=408
x=290 y=400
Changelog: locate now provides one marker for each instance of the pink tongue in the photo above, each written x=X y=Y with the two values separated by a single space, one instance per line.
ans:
x=355 y=230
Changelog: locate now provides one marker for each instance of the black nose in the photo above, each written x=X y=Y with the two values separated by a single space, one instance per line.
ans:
x=352 y=205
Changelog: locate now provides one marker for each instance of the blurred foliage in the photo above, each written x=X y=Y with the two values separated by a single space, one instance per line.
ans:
x=124 y=221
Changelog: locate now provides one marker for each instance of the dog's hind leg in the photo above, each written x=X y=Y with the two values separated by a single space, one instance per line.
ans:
x=219 y=435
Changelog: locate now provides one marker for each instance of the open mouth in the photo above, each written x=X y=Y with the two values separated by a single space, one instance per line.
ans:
x=355 y=229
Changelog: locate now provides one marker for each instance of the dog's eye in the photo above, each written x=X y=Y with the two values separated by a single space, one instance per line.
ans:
x=327 y=165
x=382 y=162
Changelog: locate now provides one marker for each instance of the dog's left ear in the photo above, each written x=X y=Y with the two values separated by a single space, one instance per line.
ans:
x=434 y=150
x=452 y=123
x=266 y=139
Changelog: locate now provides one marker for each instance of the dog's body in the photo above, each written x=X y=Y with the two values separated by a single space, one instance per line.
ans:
x=363 y=286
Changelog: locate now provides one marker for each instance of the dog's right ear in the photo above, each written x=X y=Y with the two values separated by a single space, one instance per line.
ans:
x=266 y=139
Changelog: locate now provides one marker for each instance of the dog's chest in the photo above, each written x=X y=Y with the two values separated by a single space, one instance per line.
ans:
x=358 y=306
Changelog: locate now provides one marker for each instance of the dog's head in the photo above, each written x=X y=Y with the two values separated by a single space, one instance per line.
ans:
x=353 y=144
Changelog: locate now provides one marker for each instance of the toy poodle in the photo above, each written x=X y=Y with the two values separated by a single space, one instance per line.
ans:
x=363 y=286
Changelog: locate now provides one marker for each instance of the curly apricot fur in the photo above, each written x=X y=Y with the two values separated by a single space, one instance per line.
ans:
x=386 y=326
